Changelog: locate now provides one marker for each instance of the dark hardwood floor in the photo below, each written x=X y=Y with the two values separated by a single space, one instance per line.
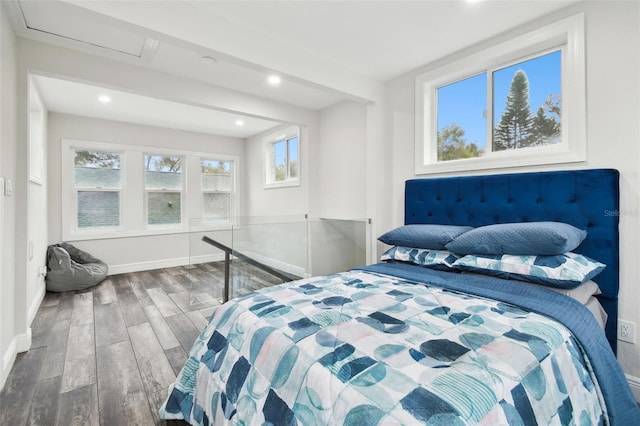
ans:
x=107 y=355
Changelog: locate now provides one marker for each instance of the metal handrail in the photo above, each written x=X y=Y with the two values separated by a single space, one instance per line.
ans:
x=228 y=252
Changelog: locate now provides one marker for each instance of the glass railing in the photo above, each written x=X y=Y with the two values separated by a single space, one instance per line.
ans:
x=256 y=252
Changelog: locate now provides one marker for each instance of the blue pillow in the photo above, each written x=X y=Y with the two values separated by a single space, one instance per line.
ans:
x=435 y=259
x=567 y=270
x=426 y=236
x=527 y=238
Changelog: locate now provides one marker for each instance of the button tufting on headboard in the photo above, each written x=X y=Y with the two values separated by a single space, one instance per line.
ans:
x=587 y=199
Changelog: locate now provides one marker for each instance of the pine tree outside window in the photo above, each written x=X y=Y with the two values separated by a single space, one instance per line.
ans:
x=507 y=105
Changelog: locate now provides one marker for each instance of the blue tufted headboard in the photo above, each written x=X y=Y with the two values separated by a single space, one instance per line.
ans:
x=587 y=199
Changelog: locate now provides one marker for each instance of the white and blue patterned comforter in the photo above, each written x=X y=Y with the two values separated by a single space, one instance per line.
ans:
x=361 y=348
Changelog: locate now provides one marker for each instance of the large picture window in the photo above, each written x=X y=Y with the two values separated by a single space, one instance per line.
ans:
x=526 y=105
x=518 y=103
x=97 y=184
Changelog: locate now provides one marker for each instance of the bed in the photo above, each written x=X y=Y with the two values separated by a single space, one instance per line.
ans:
x=401 y=343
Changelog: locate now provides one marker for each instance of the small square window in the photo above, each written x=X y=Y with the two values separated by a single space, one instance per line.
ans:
x=283 y=159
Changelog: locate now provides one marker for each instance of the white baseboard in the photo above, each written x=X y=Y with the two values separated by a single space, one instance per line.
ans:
x=634 y=382
x=37 y=301
x=7 y=362
x=20 y=343
x=165 y=263
x=23 y=341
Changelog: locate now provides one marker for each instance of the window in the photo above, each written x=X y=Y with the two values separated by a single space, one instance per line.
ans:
x=112 y=190
x=163 y=186
x=217 y=187
x=97 y=184
x=518 y=103
x=283 y=158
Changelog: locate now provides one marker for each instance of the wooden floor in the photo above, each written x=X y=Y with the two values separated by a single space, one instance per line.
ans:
x=107 y=355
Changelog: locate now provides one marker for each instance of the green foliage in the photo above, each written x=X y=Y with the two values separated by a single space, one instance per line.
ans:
x=518 y=128
x=156 y=163
x=97 y=159
x=221 y=168
x=281 y=173
x=546 y=130
x=293 y=168
x=514 y=130
x=453 y=146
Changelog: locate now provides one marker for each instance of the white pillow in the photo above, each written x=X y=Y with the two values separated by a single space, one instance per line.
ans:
x=582 y=293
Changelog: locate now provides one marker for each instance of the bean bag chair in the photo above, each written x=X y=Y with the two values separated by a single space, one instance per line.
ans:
x=69 y=268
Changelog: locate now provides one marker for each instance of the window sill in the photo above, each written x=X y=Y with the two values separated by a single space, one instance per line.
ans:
x=283 y=184
x=504 y=160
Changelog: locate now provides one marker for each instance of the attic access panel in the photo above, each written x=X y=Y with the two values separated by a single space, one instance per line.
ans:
x=77 y=25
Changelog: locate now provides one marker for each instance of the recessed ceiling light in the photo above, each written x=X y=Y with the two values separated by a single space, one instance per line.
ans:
x=105 y=99
x=208 y=60
x=239 y=123
x=274 y=80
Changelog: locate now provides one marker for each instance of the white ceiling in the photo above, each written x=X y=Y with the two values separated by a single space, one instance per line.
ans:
x=380 y=39
x=82 y=99
x=325 y=51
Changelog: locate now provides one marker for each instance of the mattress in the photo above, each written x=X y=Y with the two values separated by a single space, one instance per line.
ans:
x=395 y=344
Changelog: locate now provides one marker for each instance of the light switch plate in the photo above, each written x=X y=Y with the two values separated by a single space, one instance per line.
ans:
x=8 y=187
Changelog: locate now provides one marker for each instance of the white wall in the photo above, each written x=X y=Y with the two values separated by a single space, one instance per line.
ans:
x=8 y=112
x=37 y=203
x=613 y=132
x=339 y=163
x=333 y=185
x=283 y=201
x=133 y=253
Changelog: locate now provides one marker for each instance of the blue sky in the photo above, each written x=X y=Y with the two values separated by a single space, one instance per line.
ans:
x=281 y=151
x=464 y=102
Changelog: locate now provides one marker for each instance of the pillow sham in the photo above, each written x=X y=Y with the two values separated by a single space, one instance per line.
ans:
x=567 y=270
x=524 y=238
x=435 y=259
x=426 y=236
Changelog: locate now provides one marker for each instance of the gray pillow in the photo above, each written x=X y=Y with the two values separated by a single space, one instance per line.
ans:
x=425 y=236
x=523 y=238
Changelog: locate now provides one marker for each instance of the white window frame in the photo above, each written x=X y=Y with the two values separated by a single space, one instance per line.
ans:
x=231 y=192
x=70 y=221
x=269 y=155
x=133 y=213
x=155 y=153
x=567 y=35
